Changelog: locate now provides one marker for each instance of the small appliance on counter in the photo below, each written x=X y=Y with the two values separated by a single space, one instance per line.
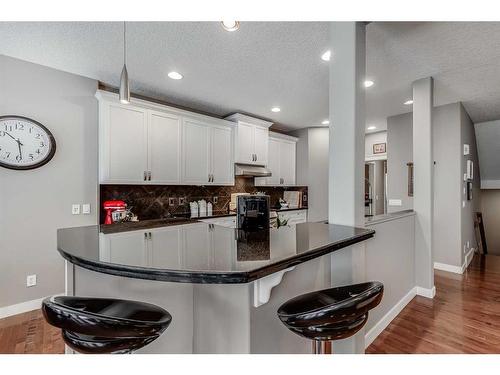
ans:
x=234 y=201
x=116 y=211
x=252 y=212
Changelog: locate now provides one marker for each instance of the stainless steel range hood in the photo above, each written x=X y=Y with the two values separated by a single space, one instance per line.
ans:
x=247 y=170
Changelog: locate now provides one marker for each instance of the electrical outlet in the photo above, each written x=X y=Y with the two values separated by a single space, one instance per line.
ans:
x=86 y=208
x=182 y=200
x=30 y=280
x=75 y=209
x=215 y=199
x=172 y=201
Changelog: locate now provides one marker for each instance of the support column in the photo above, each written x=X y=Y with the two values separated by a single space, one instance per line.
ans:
x=346 y=156
x=347 y=124
x=423 y=194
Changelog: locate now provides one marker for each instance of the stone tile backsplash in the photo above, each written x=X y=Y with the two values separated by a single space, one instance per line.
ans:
x=152 y=201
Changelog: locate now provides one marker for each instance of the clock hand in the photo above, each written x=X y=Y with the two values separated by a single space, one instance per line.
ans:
x=11 y=136
x=19 y=144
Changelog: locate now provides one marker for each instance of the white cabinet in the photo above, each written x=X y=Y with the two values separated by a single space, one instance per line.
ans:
x=251 y=139
x=146 y=143
x=164 y=148
x=123 y=136
x=165 y=247
x=128 y=248
x=207 y=154
x=282 y=161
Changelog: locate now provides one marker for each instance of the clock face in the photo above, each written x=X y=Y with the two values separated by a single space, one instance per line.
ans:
x=24 y=143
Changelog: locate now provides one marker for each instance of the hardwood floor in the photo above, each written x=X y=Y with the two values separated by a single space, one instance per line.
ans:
x=463 y=317
x=29 y=333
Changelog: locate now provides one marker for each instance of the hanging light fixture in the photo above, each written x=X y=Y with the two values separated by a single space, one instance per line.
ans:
x=124 y=84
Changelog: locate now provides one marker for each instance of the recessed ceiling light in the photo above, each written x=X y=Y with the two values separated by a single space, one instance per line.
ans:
x=369 y=83
x=409 y=102
x=325 y=122
x=372 y=127
x=175 y=75
x=326 y=55
x=230 y=25
x=276 y=109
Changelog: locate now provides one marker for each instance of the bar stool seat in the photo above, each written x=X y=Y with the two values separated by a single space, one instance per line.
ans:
x=105 y=325
x=331 y=314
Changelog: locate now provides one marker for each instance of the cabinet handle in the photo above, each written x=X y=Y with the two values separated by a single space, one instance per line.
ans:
x=145 y=235
x=150 y=235
x=209 y=177
x=213 y=178
x=145 y=176
x=149 y=175
x=255 y=157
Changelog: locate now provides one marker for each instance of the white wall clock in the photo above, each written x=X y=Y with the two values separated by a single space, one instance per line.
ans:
x=24 y=143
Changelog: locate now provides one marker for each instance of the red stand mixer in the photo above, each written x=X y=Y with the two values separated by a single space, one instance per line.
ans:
x=112 y=206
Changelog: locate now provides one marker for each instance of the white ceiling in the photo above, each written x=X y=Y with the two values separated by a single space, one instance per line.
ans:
x=266 y=64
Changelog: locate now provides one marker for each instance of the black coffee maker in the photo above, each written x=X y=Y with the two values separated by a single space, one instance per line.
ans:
x=252 y=212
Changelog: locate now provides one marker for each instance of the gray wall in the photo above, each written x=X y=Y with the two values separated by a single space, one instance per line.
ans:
x=312 y=169
x=453 y=225
x=468 y=136
x=399 y=152
x=488 y=141
x=33 y=204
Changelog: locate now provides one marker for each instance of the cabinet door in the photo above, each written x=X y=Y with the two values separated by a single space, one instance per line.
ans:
x=164 y=151
x=165 y=248
x=261 y=145
x=128 y=248
x=222 y=167
x=124 y=144
x=245 y=141
x=196 y=247
x=287 y=162
x=195 y=152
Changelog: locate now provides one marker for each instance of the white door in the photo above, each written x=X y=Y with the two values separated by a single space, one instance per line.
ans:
x=245 y=141
x=222 y=167
x=128 y=248
x=125 y=145
x=164 y=140
x=195 y=152
x=261 y=145
x=287 y=162
x=165 y=248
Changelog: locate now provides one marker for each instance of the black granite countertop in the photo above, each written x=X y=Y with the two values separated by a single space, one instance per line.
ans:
x=197 y=252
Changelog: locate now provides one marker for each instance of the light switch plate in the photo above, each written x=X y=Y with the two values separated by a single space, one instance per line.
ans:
x=172 y=201
x=182 y=200
x=466 y=149
x=86 y=208
x=75 y=209
x=395 y=202
x=30 y=280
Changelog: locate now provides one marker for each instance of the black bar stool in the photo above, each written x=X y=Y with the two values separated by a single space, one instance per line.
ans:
x=331 y=314
x=104 y=325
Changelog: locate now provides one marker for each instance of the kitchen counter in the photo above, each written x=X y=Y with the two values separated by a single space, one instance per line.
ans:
x=210 y=254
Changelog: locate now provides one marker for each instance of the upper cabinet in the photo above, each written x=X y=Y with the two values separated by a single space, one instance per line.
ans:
x=282 y=161
x=147 y=143
x=251 y=139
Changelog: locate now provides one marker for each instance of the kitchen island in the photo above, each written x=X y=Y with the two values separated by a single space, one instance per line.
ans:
x=222 y=286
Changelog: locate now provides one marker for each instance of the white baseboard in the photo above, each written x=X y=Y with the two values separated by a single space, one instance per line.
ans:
x=456 y=269
x=448 y=267
x=22 y=307
x=426 y=292
x=382 y=324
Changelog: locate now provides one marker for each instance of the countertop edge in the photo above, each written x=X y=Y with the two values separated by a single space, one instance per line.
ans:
x=214 y=277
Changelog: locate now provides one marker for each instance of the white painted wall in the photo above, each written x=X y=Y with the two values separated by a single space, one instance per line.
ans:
x=370 y=140
x=35 y=203
x=312 y=169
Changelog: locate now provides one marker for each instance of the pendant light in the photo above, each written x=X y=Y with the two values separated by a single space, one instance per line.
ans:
x=124 y=84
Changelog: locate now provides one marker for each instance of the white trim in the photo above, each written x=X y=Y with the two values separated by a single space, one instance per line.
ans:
x=448 y=267
x=281 y=136
x=490 y=184
x=455 y=269
x=22 y=307
x=382 y=324
x=426 y=292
